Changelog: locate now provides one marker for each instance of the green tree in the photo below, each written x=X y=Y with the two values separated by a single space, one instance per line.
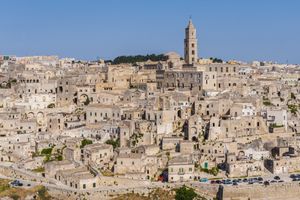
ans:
x=293 y=96
x=87 y=101
x=46 y=151
x=85 y=142
x=139 y=58
x=214 y=171
x=114 y=143
x=185 y=193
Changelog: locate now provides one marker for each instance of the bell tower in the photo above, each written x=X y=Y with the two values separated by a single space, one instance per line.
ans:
x=190 y=44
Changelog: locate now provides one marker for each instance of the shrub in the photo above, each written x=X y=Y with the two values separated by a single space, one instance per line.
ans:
x=51 y=105
x=42 y=193
x=185 y=193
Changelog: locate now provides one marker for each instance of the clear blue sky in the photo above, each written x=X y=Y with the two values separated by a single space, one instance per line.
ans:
x=87 y=29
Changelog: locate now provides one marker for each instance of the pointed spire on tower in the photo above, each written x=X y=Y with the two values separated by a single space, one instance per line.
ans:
x=190 y=23
x=190 y=44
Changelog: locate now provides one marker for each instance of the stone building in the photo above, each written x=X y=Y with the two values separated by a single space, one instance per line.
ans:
x=181 y=169
x=97 y=154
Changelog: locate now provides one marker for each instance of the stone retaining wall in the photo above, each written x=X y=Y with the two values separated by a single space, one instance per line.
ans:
x=287 y=191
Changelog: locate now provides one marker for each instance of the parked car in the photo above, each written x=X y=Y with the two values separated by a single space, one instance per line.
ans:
x=228 y=182
x=266 y=183
x=16 y=183
x=276 y=177
x=203 y=180
x=293 y=176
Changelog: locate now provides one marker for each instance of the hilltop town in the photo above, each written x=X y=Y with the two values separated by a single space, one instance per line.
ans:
x=97 y=129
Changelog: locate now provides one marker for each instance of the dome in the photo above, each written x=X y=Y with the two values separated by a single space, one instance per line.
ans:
x=172 y=55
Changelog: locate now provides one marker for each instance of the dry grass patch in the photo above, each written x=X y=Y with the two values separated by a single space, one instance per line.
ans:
x=40 y=192
x=157 y=194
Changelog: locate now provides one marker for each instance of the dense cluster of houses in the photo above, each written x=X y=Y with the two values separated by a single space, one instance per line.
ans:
x=78 y=122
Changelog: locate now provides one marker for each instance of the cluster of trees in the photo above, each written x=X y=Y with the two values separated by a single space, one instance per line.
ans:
x=216 y=60
x=186 y=193
x=8 y=84
x=50 y=155
x=138 y=58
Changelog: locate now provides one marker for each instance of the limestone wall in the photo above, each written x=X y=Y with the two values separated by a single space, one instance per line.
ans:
x=287 y=191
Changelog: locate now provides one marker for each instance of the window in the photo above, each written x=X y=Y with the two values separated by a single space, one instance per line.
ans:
x=94 y=184
x=84 y=186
